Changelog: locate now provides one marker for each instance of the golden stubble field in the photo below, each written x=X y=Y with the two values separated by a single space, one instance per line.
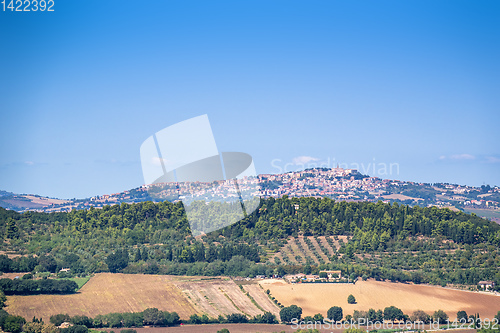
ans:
x=319 y=297
x=106 y=293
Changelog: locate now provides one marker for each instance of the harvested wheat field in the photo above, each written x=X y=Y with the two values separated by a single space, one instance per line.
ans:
x=319 y=297
x=261 y=298
x=215 y=296
x=107 y=292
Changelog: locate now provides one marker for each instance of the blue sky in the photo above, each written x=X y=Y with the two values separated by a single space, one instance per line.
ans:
x=409 y=83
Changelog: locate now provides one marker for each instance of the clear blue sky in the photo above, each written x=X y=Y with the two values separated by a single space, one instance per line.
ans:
x=415 y=83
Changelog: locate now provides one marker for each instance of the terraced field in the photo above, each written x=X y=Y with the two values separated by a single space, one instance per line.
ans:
x=302 y=249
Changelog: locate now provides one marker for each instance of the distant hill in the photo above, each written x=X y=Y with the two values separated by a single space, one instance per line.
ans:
x=26 y=202
x=337 y=183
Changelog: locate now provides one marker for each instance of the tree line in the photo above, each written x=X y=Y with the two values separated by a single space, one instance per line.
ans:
x=34 y=287
x=149 y=317
x=293 y=314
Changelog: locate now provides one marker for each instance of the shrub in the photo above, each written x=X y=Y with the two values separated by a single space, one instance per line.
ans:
x=82 y=320
x=318 y=317
x=195 y=319
x=266 y=318
x=38 y=327
x=236 y=318
x=420 y=315
x=357 y=315
x=462 y=315
x=75 y=329
x=335 y=313
x=440 y=316
x=392 y=313
x=3 y=299
x=153 y=316
x=13 y=324
x=58 y=319
x=354 y=330
x=290 y=312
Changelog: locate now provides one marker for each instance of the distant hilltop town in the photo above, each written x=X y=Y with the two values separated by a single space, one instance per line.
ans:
x=336 y=183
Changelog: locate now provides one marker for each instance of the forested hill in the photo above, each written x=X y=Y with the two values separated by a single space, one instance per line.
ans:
x=155 y=237
x=147 y=222
x=338 y=184
x=279 y=218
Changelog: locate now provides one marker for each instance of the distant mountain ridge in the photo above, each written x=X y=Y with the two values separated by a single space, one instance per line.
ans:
x=337 y=183
x=5 y=193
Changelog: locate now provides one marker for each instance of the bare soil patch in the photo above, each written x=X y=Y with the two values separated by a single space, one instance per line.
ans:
x=45 y=201
x=12 y=275
x=400 y=197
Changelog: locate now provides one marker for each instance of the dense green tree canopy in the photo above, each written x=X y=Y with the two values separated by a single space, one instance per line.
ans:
x=155 y=238
x=288 y=313
x=335 y=313
x=393 y=313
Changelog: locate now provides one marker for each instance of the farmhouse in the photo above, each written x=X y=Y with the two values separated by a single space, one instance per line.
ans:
x=486 y=285
x=301 y=278
x=294 y=278
x=312 y=277
x=65 y=325
x=333 y=274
